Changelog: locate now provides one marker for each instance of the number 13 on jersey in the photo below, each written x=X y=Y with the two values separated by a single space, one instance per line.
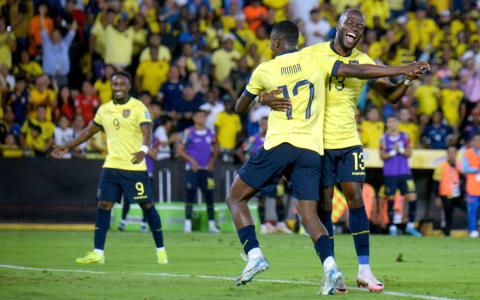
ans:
x=300 y=86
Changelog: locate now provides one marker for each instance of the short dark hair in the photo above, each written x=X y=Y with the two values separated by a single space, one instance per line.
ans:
x=124 y=74
x=288 y=30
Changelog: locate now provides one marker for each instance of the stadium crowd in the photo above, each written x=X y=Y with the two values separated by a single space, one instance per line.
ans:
x=57 y=56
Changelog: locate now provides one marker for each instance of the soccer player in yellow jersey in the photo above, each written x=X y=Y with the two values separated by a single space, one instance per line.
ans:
x=294 y=142
x=128 y=127
x=343 y=161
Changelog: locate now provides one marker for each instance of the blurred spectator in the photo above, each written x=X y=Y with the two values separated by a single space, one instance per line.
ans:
x=56 y=59
x=63 y=133
x=447 y=188
x=471 y=167
x=163 y=139
x=316 y=28
x=255 y=14
x=163 y=53
x=279 y=7
x=78 y=125
x=86 y=102
x=99 y=33
x=65 y=104
x=371 y=129
x=10 y=148
x=240 y=76
x=20 y=13
x=428 y=97
x=151 y=74
x=10 y=123
x=410 y=128
x=171 y=90
x=37 y=133
x=301 y=9
x=376 y=13
x=103 y=85
x=19 y=100
x=452 y=98
x=41 y=94
x=470 y=85
x=119 y=43
x=35 y=28
x=139 y=36
x=185 y=106
x=97 y=146
x=7 y=44
x=27 y=68
x=227 y=126
x=263 y=43
x=214 y=106
x=224 y=59
x=437 y=135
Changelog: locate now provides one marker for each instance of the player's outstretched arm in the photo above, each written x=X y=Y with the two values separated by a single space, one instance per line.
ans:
x=87 y=133
x=243 y=104
x=368 y=71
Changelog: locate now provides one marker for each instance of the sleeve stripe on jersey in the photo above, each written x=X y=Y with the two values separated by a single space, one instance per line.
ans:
x=249 y=95
x=98 y=125
x=335 y=68
x=145 y=123
x=371 y=81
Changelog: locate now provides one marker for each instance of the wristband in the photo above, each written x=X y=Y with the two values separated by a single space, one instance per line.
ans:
x=144 y=149
x=401 y=150
x=407 y=82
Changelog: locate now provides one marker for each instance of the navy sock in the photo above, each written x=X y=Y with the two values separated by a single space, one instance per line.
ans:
x=248 y=238
x=153 y=219
x=125 y=209
x=322 y=247
x=359 y=228
x=412 y=211
x=390 y=211
x=102 y=223
x=209 y=200
x=326 y=218
x=261 y=212
x=280 y=208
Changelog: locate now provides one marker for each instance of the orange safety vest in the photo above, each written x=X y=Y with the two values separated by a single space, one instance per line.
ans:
x=473 y=180
x=450 y=179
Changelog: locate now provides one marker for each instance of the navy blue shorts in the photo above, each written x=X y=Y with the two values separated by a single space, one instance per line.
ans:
x=134 y=185
x=269 y=191
x=301 y=166
x=404 y=183
x=343 y=165
x=202 y=179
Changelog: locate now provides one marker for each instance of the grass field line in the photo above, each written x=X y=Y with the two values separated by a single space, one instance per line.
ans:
x=213 y=277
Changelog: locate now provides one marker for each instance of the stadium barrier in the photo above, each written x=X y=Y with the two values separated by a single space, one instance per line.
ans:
x=63 y=191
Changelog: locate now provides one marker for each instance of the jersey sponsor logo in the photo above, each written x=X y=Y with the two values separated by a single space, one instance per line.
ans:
x=353 y=62
x=126 y=113
x=361 y=173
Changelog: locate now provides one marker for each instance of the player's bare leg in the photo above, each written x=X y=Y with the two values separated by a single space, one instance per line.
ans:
x=237 y=201
x=319 y=235
x=102 y=223
x=359 y=227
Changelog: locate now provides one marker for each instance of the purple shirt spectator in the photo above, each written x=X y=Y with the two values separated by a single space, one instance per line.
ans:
x=198 y=145
x=398 y=164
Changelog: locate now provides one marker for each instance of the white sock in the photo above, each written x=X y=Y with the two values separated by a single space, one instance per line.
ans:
x=328 y=264
x=364 y=268
x=160 y=249
x=254 y=253
x=98 y=251
x=211 y=223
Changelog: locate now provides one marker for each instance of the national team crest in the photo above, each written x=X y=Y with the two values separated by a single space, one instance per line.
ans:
x=126 y=113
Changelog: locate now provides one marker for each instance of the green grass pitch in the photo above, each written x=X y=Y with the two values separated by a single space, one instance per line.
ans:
x=440 y=267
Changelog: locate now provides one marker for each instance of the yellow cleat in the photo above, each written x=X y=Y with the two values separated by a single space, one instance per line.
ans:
x=91 y=258
x=162 y=256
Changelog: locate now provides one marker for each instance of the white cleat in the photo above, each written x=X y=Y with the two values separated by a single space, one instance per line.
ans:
x=474 y=234
x=263 y=229
x=253 y=267
x=330 y=281
x=282 y=227
x=368 y=280
x=270 y=228
x=341 y=287
x=212 y=227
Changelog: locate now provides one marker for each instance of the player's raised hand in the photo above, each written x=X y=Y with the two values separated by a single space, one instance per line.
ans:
x=274 y=101
x=138 y=157
x=59 y=151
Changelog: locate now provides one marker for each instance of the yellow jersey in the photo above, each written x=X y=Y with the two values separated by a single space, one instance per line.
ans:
x=412 y=130
x=427 y=99
x=228 y=125
x=371 y=133
x=340 y=129
x=153 y=74
x=104 y=90
x=302 y=78
x=121 y=124
x=451 y=100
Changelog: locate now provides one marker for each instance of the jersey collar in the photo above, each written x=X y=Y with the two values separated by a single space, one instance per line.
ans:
x=333 y=49
x=287 y=51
